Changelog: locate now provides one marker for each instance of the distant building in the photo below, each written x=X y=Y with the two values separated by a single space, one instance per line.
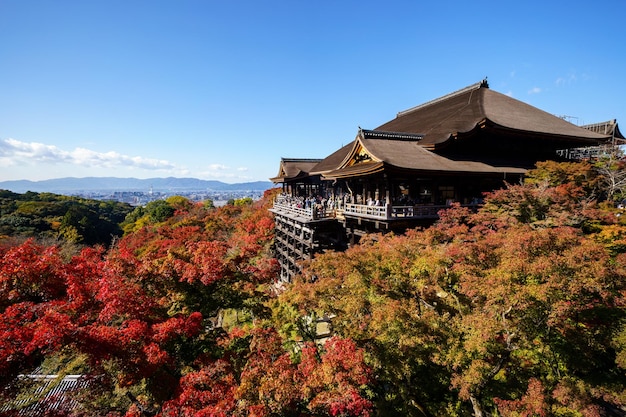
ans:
x=400 y=174
x=50 y=395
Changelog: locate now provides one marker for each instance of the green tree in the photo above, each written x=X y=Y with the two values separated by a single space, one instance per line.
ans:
x=517 y=308
x=49 y=216
x=244 y=201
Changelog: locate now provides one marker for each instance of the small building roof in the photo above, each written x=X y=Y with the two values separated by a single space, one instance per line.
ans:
x=51 y=396
x=293 y=168
x=472 y=107
x=608 y=128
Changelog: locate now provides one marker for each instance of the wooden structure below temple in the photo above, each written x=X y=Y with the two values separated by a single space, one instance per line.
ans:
x=401 y=174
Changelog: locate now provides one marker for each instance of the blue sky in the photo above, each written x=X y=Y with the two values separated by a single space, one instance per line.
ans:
x=223 y=89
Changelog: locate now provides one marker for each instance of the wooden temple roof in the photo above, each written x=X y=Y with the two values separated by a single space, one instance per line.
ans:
x=332 y=161
x=370 y=154
x=414 y=138
x=608 y=128
x=294 y=168
x=476 y=106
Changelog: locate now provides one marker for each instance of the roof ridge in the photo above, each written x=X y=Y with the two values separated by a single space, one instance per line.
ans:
x=384 y=134
x=300 y=159
x=472 y=87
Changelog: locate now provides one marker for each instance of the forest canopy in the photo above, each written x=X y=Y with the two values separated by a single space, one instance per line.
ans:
x=62 y=218
x=516 y=309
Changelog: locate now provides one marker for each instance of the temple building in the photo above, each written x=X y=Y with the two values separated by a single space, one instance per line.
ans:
x=402 y=173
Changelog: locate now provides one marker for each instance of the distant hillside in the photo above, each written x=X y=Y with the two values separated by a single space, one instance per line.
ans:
x=66 y=185
x=58 y=217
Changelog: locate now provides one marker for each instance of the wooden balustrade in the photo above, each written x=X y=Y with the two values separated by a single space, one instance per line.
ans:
x=386 y=212
x=379 y=212
x=312 y=213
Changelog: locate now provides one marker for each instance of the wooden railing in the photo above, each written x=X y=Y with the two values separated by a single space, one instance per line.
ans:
x=363 y=210
x=386 y=212
x=312 y=213
x=419 y=211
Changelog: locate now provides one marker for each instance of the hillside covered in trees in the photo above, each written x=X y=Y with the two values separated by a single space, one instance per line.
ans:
x=47 y=216
x=515 y=310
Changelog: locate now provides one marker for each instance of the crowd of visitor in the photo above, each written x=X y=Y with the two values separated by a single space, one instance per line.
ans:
x=320 y=206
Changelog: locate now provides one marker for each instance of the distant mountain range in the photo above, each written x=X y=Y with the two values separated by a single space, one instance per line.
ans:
x=170 y=184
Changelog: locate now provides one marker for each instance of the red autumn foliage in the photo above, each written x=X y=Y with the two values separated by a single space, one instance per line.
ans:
x=518 y=308
x=138 y=312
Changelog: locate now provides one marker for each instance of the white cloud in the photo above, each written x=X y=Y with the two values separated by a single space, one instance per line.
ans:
x=218 y=167
x=224 y=172
x=15 y=152
x=568 y=79
x=220 y=175
x=534 y=90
